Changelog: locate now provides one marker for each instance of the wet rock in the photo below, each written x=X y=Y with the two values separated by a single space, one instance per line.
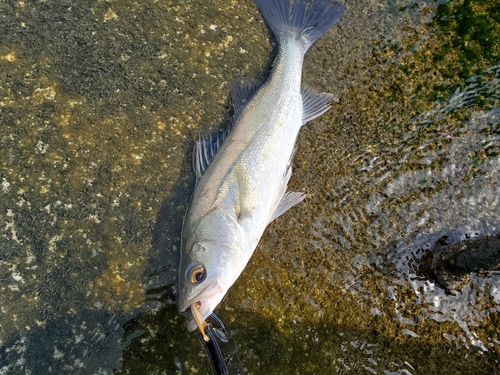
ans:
x=448 y=261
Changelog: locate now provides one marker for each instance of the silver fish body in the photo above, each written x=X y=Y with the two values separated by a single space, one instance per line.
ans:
x=242 y=188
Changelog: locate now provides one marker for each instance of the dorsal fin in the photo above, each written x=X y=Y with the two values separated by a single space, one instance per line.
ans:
x=314 y=103
x=205 y=149
x=242 y=89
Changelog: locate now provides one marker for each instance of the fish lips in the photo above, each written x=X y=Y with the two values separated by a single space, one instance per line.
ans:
x=208 y=298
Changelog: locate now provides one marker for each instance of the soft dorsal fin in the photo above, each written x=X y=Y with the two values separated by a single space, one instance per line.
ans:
x=314 y=103
x=242 y=89
x=205 y=149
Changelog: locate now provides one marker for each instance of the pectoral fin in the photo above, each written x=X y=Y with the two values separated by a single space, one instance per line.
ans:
x=247 y=196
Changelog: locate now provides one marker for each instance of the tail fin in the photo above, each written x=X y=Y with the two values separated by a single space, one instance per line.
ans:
x=308 y=23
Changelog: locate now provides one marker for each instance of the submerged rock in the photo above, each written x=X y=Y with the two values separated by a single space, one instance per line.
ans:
x=449 y=260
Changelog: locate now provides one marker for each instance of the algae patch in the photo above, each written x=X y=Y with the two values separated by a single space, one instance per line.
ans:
x=471 y=33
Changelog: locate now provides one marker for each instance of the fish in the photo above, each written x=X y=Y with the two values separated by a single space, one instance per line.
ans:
x=242 y=172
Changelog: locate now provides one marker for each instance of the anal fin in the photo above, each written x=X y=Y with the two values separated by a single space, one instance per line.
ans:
x=314 y=103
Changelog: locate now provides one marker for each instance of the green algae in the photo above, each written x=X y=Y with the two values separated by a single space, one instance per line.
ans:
x=464 y=44
x=473 y=28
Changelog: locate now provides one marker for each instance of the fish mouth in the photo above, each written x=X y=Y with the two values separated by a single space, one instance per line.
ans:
x=183 y=308
x=204 y=304
x=196 y=316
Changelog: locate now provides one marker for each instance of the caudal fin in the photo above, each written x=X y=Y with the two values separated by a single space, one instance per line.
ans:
x=308 y=20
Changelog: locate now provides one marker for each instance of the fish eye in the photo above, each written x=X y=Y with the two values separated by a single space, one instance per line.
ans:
x=197 y=274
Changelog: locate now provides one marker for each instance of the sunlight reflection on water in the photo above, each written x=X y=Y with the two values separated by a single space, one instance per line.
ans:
x=439 y=197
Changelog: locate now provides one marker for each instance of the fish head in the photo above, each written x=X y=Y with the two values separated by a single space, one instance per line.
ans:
x=206 y=272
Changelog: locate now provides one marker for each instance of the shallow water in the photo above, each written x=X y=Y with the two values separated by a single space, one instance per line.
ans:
x=99 y=106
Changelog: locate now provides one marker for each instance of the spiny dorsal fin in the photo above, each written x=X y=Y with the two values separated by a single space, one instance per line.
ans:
x=205 y=149
x=314 y=103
